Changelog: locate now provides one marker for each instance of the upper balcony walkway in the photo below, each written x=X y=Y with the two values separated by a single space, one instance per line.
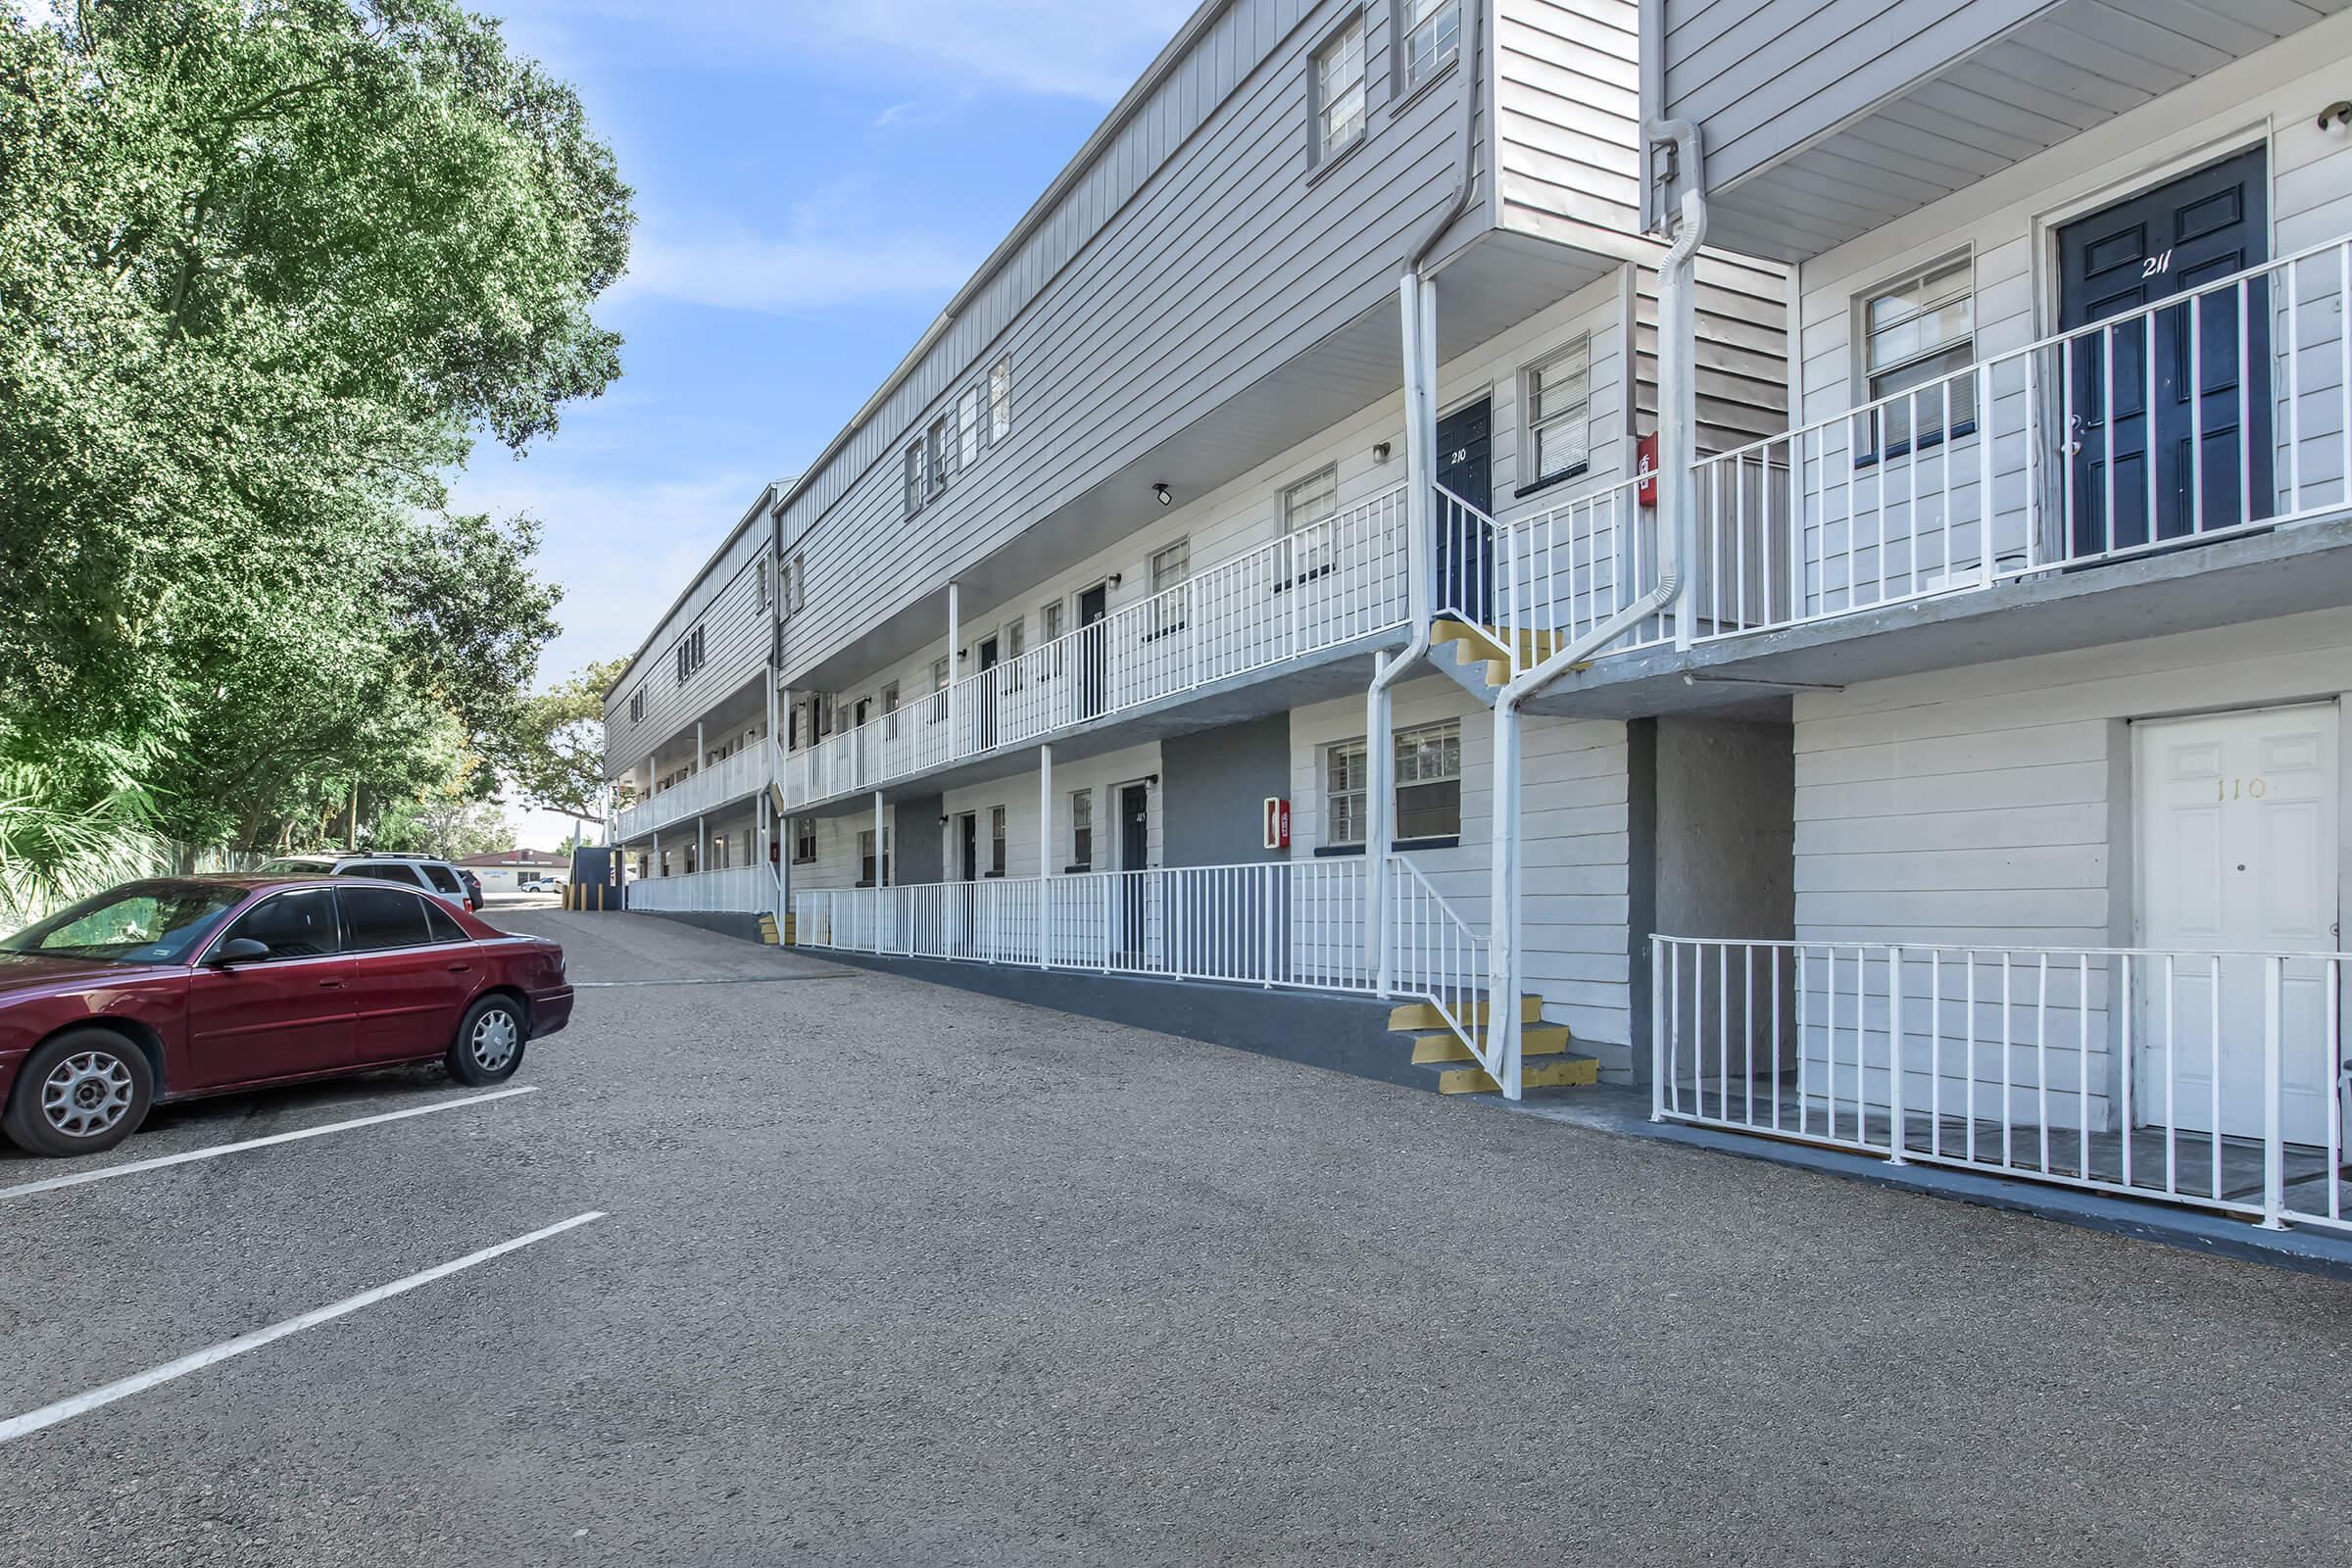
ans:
x=2178 y=465
x=1321 y=587
x=735 y=777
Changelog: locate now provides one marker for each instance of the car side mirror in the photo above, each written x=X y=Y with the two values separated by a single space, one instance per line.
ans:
x=239 y=950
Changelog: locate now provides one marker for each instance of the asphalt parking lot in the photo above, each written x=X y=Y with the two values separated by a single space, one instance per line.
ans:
x=891 y=1274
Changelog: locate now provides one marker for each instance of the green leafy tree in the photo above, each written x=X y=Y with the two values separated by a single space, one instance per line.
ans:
x=267 y=268
x=558 y=759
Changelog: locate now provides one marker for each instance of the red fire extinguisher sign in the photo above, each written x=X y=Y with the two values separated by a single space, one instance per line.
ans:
x=1278 y=823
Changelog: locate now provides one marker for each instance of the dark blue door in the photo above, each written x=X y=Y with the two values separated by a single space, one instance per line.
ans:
x=1465 y=548
x=2178 y=237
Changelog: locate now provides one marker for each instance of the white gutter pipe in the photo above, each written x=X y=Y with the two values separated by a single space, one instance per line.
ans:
x=1676 y=423
x=1417 y=302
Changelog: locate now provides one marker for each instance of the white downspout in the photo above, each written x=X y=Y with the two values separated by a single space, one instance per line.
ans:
x=1677 y=451
x=1417 y=301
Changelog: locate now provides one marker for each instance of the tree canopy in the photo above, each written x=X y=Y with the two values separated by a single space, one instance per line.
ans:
x=558 y=760
x=267 y=270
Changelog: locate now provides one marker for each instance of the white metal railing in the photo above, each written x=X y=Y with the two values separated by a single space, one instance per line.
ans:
x=745 y=771
x=1321 y=586
x=1537 y=583
x=2214 y=1079
x=736 y=888
x=1440 y=957
x=2045 y=457
x=1295 y=924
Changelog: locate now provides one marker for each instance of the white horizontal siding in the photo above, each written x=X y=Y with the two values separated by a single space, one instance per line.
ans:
x=736 y=639
x=1573 y=846
x=1567 y=103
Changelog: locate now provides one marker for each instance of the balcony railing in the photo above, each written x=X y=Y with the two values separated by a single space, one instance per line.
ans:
x=736 y=888
x=2221 y=409
x=1319 y=587
x=1282 y=923
x=743 y=772
x=2211 y=1079
x=1538 y=582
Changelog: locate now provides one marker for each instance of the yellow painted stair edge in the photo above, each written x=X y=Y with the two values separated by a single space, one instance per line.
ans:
x=1566 y=1074
x=1414 y=1016
x=1535 y=1039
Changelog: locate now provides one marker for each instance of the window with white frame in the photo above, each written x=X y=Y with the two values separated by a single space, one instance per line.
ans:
x=1307 y=508
x=890 y=709
x=995 y=840
x=804 y=840
x=1557 y=394
x=1048 y=621
x=967 y=426
x=800 y=583
x=1913 y=334
x=1346 y=774
x=1000 y=401
x=938 y=691
x=1170 y=566
x=865 y=856
x=1338 y=90
x=1428 y=797
x=637 y=707
x=1431 y=32
x=763 y=569
x=917 y=478
x=1016 y=638
x=941 y=446
x=1082 y=830
x=720 y=851
x=689 y=655
x=1429 y=781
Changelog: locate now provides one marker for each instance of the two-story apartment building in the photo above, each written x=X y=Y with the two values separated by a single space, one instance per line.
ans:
x=1144 y=632
x=2048 y=586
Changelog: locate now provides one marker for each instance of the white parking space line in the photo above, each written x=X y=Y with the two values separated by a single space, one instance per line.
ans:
x=78 y=1178
x=49 y=1415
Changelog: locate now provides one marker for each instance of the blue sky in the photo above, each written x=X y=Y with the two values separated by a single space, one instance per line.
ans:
x=812 y=183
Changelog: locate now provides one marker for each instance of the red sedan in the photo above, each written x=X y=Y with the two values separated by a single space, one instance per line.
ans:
x=187 y=986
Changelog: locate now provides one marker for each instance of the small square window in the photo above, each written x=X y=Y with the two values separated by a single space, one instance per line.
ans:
x=1338 y=90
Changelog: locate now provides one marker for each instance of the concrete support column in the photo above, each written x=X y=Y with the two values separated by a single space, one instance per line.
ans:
x=701 y=843
x=881 y=846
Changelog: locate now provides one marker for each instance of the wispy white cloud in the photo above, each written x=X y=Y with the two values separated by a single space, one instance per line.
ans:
x=1075 y=48
x=827 y=250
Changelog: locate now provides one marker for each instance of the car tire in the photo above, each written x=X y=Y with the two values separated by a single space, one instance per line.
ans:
x=81 y=1093
x=489 y=1044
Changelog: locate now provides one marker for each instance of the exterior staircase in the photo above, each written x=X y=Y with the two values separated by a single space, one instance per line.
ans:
x=1546 y=1061
x=774 y=935
x=1485 y=650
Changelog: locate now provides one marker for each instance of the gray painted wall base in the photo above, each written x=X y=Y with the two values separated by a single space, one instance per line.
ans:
x=725 y=923
x=1343 y=1034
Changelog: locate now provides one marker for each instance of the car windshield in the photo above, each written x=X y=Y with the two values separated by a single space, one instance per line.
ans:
x=139 y=923
x=297 y=867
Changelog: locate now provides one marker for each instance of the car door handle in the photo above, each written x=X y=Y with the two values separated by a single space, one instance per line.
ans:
x=331 y=985
x=460 y=968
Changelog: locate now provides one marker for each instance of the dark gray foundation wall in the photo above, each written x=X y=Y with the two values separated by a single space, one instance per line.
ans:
x=1214 y=789
x=1712 y=834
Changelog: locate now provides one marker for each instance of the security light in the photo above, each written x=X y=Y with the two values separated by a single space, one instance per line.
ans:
x=1161 y=491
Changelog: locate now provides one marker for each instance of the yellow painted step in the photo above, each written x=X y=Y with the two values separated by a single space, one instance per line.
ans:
x=1412 y=1016
x=1535 y=1040
x=1488 y=642
x=1564 y=1072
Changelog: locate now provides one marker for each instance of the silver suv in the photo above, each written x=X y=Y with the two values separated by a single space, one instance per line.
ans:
x=437 y=877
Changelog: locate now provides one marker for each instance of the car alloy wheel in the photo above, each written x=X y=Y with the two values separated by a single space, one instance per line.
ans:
x=87 y=1094
x=493 y=1040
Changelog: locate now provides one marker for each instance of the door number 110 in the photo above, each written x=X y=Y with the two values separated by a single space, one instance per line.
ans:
x=2241 y=789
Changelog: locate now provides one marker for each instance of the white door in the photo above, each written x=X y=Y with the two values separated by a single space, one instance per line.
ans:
x=2237 y=855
